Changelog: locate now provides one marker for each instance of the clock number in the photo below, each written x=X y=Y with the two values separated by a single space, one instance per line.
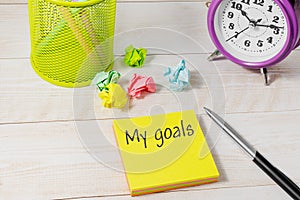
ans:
x=270 y=40
x=275 y=19
x=260 y=43
x=237 y=6
x=276 y=31
x=259 y=2
x=270 y=8
x=230 y=15
x=247 y=43
x=246 y=2
x=231 y=26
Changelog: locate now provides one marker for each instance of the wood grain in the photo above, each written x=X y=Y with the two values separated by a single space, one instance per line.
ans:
x=248 y=193
x=49 y=138
x=225 y=86
x=49 y=160
x=184 y=22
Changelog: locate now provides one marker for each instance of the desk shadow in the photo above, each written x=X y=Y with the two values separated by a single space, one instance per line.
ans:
x=273 y=76
x=196 y=80
x=219 y=58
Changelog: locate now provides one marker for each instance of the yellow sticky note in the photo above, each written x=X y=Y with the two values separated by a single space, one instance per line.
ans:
x=162 y=152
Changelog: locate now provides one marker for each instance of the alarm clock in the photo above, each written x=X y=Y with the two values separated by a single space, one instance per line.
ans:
x=254 y=33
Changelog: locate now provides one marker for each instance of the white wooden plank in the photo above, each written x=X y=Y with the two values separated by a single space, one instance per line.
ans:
x=182 y=29
x=49 y=160
x=25 y=97
x=15 y=39
x=247 y=193
x=13 y=1
x=182 y=22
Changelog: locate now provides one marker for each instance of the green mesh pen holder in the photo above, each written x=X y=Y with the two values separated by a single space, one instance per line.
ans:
x=71 y=41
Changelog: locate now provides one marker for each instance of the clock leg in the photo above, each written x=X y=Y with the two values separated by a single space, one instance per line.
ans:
x=215 y=54
x=265 y=74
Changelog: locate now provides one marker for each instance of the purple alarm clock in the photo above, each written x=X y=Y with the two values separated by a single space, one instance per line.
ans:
x=254 y=33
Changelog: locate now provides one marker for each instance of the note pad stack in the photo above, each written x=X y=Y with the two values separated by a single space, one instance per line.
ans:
x=164 y=152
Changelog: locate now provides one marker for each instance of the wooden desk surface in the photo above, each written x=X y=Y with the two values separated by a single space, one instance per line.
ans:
x=42 y=148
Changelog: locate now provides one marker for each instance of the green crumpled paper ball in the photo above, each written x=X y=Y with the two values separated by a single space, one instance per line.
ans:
x=135 y=57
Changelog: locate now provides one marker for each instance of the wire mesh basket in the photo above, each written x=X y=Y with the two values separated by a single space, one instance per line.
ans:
x=71 y=41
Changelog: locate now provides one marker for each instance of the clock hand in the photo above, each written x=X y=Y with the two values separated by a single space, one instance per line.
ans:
x=237 y=34
x=257 y=21
x=270 y=26
x=246 y=15
x=252 y=22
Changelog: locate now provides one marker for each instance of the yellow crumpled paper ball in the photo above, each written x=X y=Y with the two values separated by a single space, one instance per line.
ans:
x=115 y=96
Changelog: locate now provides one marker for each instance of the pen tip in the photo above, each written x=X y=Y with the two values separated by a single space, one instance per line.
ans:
x=205 y=109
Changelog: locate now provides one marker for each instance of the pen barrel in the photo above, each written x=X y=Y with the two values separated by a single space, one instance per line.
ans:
x=281 y=179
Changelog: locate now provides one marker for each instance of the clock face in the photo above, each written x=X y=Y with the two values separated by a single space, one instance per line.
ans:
x=251 y=30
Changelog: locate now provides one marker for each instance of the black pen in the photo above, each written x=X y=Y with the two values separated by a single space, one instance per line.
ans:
x=280 y=178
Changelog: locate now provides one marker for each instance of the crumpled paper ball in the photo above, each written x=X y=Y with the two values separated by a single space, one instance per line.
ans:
x=179 y=76
x=135 y=57
x=139 y=84
x=114 y=97
x=102 y=79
